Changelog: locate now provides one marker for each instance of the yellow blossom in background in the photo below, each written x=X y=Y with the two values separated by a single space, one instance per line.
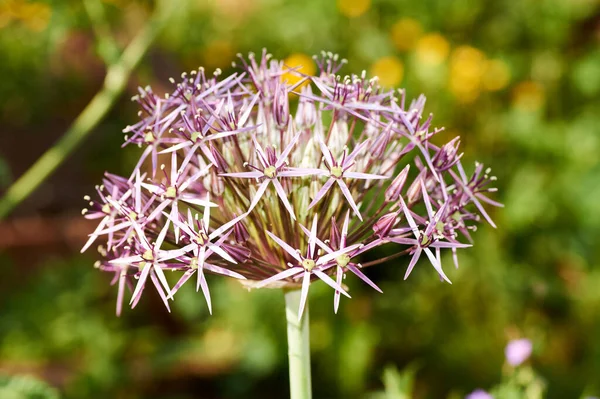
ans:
x=353 y=8
x=496 y=75
x=528 y=96
x=432 y=49
x=218 y=53
x=34 y=16
x=5 y=15
x=233 y=11
x=405 y=33
x=467 y=65
x=305 y=65
x=10 y=10
x=389 y=70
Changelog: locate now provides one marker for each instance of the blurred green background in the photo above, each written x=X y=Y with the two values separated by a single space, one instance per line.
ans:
x=519 y=81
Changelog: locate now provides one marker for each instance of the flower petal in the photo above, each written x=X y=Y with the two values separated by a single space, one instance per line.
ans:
x=280 y=276
x=362 y=276
x=293 y=253
x=329 y=281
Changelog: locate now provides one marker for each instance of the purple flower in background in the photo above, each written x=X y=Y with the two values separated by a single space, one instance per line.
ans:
x=214 y=146
x=479 y=394
x=517 y=351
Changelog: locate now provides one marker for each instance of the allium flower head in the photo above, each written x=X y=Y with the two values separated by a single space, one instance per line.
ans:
x=239 y=179
x=517 y=351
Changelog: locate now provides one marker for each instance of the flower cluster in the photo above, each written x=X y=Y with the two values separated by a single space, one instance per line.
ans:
x=231 y=181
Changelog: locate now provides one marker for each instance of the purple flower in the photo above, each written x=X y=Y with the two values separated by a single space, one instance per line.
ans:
x=517 y=351
x=258 y=173
x=273 y=167
x=426 y=239
x=479 y=394
x=201 y=247
x=340 y=170
x=343 y=259
x=309 y=265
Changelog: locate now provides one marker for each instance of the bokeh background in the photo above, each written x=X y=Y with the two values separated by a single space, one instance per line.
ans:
x=519 y=81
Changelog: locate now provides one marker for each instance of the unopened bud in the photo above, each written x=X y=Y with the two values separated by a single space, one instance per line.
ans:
x=385 y=223
x=271 y=155
x=240 y=232
x=447 y=156
x=414 y=191
x=215 y=182
x=381 y=142
x=281 y=107
x=306 y=115
x=334 y=236
x=239 y=253
x=393 y=192
x=218 y=159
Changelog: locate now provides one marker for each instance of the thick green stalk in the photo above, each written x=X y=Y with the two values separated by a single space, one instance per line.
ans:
x=115 y=82
x=298 y=347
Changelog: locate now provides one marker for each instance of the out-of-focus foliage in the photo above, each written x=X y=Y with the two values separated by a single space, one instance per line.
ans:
x=518 y=81
x=23 y=387
x=397 y=384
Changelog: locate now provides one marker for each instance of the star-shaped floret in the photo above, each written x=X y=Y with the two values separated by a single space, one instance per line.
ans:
x=273 y=167
x=343 y=262
x=307 y=266
x=425 y=239
x=198 y=131
x=473 y=188
x=202 y=246
x=115 y=188
x=131 y=210
x=150 y=133
x=174 y=190
x=340 y=170
x=150 y=261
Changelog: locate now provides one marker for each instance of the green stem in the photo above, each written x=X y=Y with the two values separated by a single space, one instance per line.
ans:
x=107 y=47
x=298 y=347
x=115 y=82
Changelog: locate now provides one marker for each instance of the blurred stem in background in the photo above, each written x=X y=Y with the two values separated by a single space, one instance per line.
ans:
x=298 y=346
x=118 y=71
x=107 y=48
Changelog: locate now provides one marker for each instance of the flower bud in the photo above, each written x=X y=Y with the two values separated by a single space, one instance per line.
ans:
x=214 y=182
x=281 y=107
x=393 y=192
x=271 y=155
x=447 y=155
x=381 y=142
x=218 y=159
x=306 y=115
x=385 y=223
x=334 y=235
x=239 y=253
x=414 y=191
x=240 y=232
